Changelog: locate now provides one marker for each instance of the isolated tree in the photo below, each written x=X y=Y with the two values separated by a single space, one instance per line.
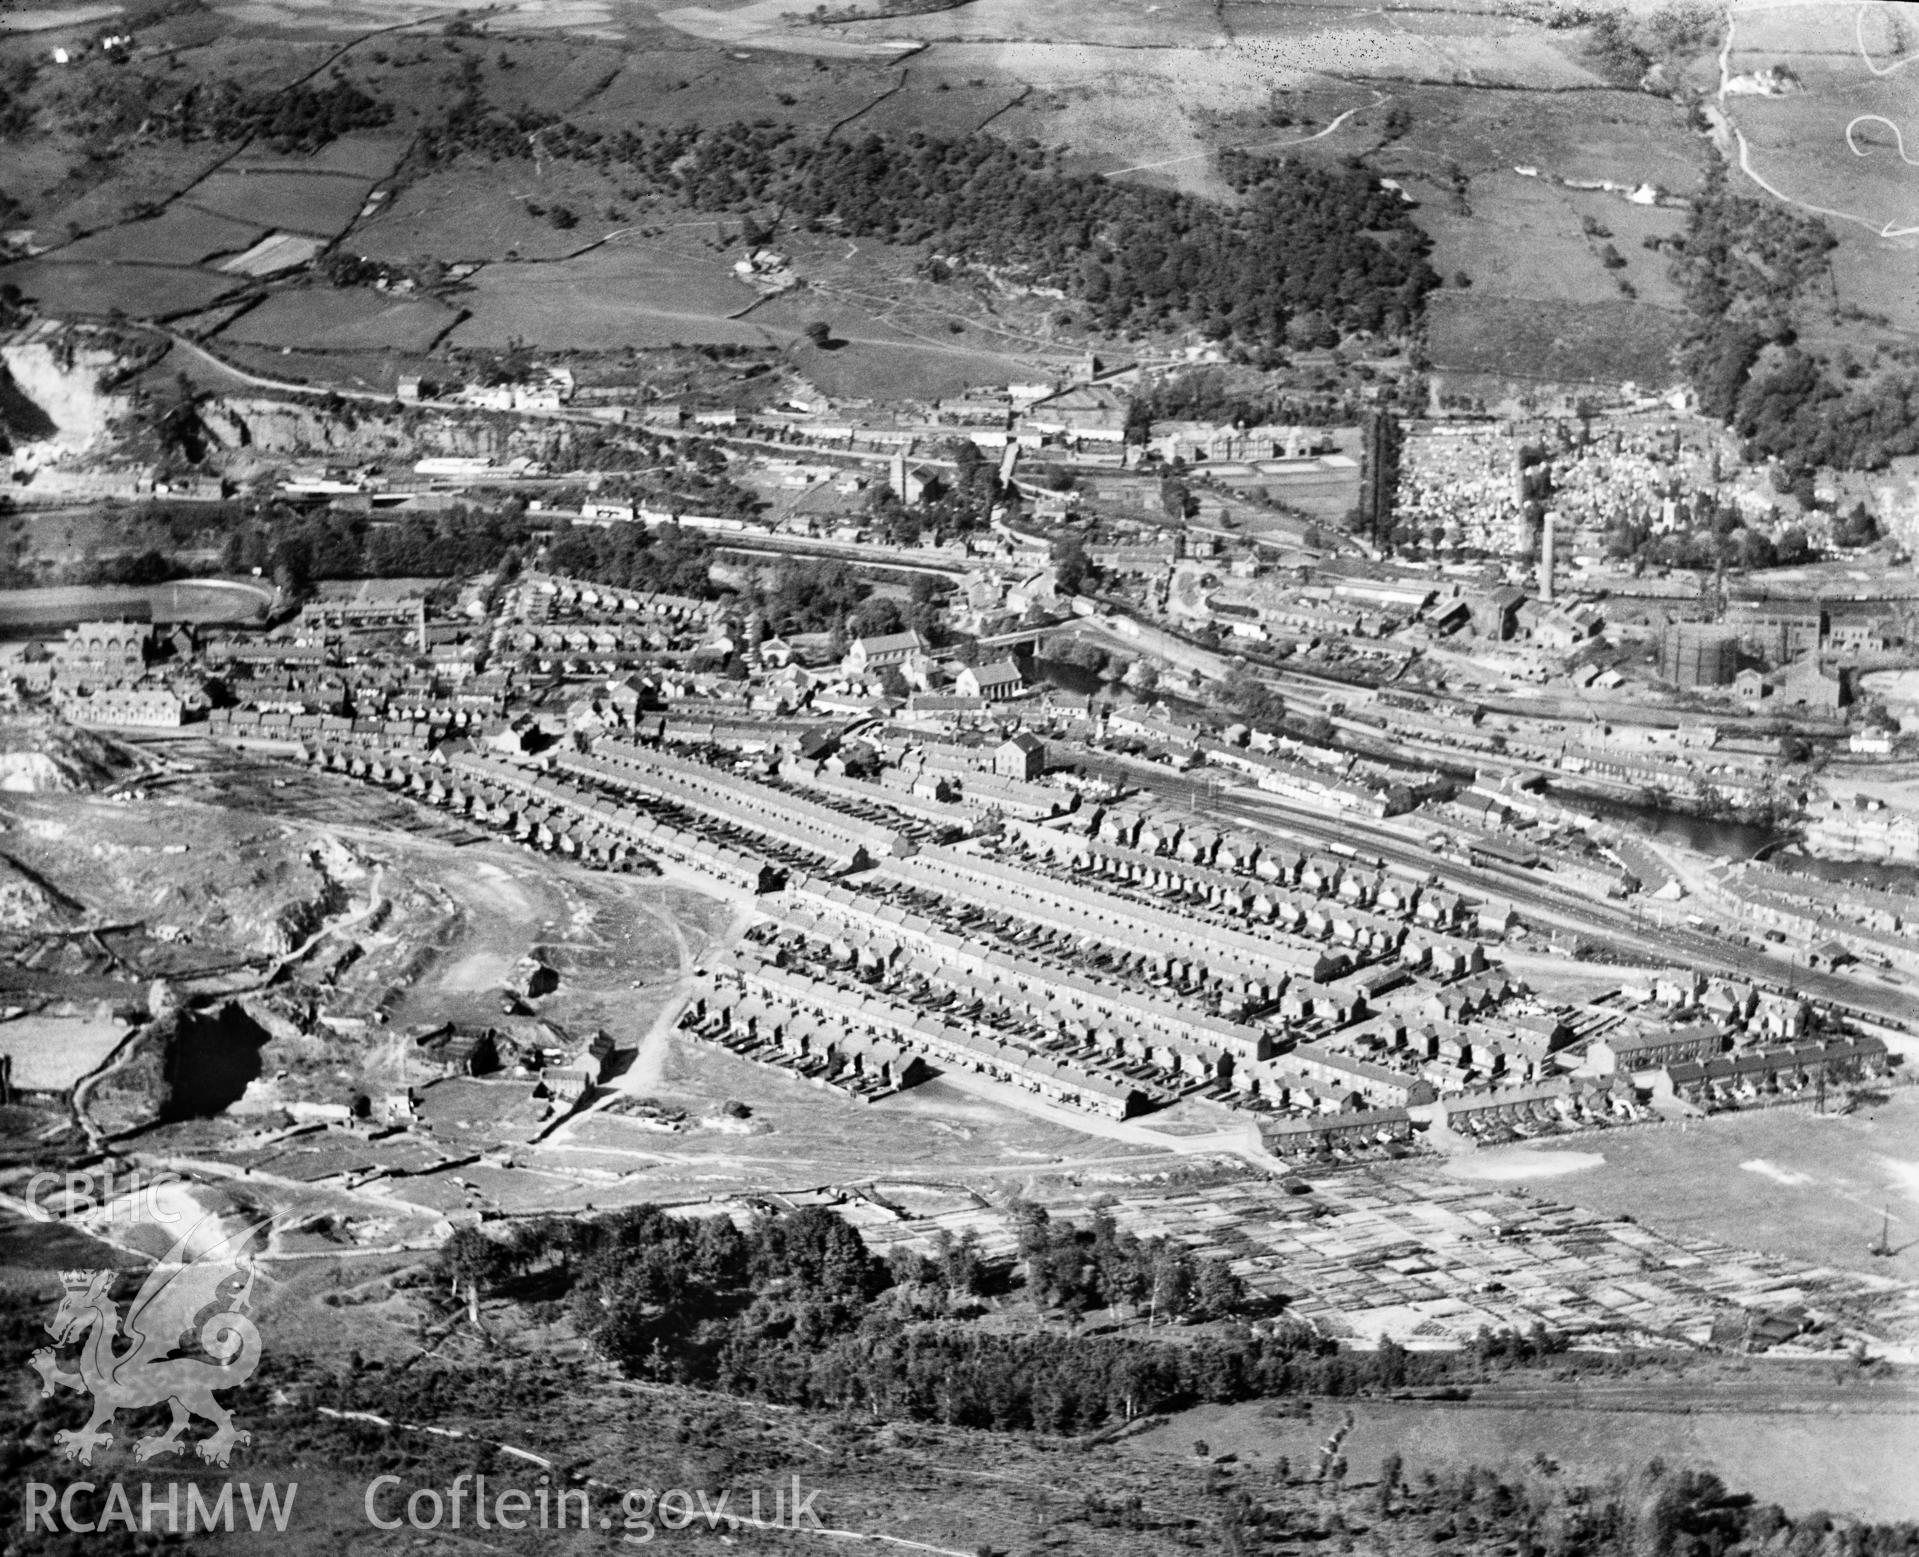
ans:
x=473 y=1260
x=1172 y=1282
x=1391 y=1471
x=819 y=332
x=1071 y=565
x=1216 y=1290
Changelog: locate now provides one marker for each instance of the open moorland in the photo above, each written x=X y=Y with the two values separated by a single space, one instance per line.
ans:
x=1552 y=268
x=1838 y=144
x=1852 y=1452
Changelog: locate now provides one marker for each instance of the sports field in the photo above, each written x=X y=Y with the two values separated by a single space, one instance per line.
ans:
x=186 y=600
x=1783 y=1181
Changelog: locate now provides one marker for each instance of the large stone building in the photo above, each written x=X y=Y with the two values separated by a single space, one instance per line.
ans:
x=879 y=653
x=102 y=654
x=1777 y=630
x=1021 y=757
x=996 y=682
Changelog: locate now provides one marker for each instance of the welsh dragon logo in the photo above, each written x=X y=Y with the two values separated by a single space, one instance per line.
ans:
x=186 y=1305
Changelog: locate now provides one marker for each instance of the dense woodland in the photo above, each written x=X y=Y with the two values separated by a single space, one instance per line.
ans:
x=801 y=596
x=298 y=119
x=1746 y=266
x=299 y=549
x=797 y=1310
x=1625 y=47
x=1307 y=252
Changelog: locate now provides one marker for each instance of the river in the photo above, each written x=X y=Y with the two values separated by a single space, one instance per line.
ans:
x=1725 y=838
x=1721 y=837
x=1076 y=679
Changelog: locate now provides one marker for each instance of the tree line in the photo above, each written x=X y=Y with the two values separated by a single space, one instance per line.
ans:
x=298 y=549
x=1302 y=241
x=795 y=1309
x=299 y=118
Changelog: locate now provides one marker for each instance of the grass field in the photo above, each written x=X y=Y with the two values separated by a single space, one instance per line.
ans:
x=685 y=82
x=364 y=369
x=1628 y=137
x=317 y=203
x=944 y=95
x=579 y=18
x=1798 y=146
x=764 y=24
x=877 y=356
x=1484 y=50
x=481 y=213
x=51 y=1053
x=1531 y=341
x=1173 y=24
x=64 y=191
x=53 y=18
x=94 y=291
x=1851 y=1464
x=178 y=236
x=1879 y=277
x=620 y=295
x=1781 y=1180
x=1526 y=238
x=343 y=320
x=546 y=75
x=362 y=156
